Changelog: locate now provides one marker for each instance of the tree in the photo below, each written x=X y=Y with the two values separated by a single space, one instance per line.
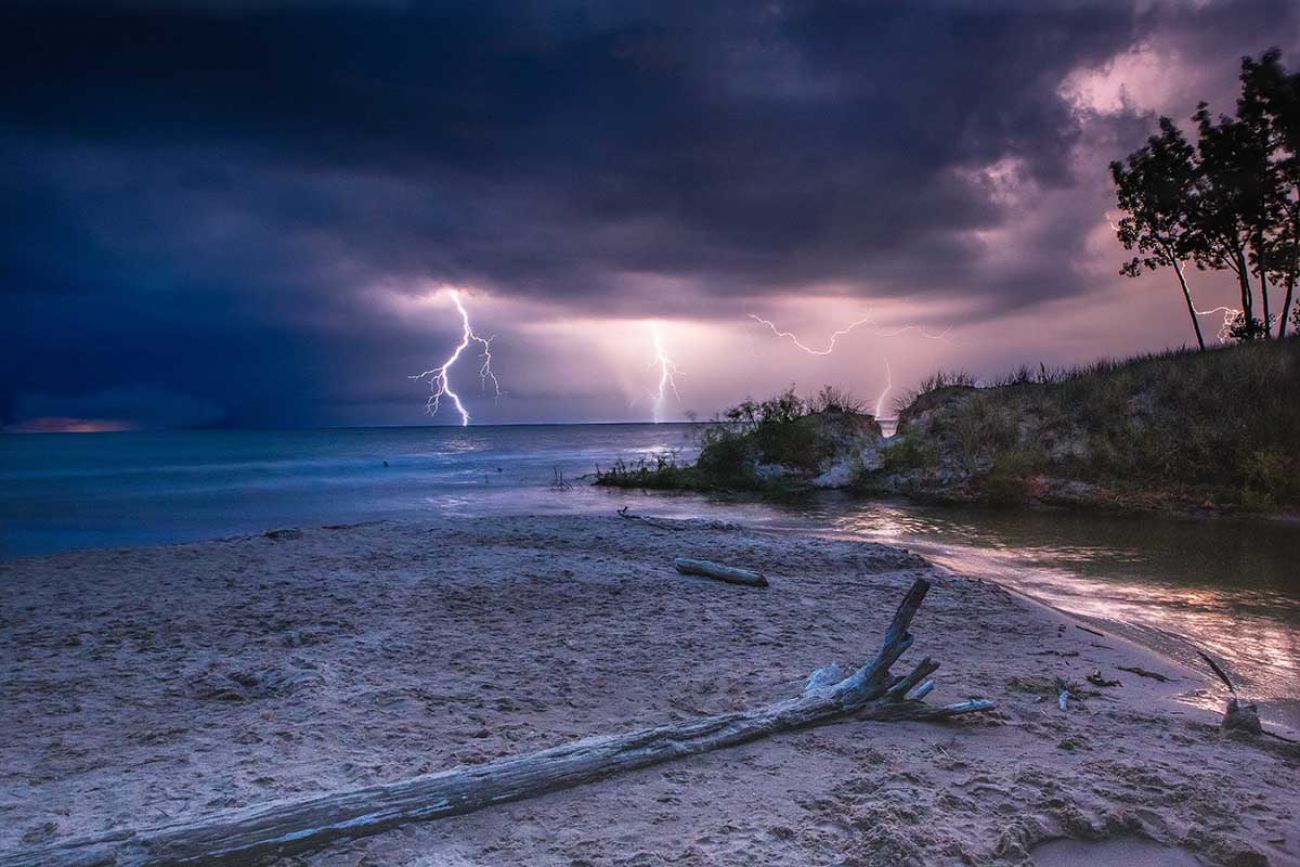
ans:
x=1230 y=213
x=1271 y=101
x=1155 y=187
x=1231 y=203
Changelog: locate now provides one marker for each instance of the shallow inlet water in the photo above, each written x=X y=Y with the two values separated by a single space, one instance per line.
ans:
x=1227 y=586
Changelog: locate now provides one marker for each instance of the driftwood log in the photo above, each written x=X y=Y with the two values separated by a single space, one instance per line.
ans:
x=709 y=569
x=278 y=828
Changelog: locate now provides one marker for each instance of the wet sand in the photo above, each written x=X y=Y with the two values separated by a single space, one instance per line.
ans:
x=149 y=685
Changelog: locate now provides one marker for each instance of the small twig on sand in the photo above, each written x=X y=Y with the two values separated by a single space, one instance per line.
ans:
x=1096 y=679
x=625 y=513
x=1142 y=672
x=1090 y=631
x=653 y=522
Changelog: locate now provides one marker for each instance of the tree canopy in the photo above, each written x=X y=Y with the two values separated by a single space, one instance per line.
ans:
x=1231 y=202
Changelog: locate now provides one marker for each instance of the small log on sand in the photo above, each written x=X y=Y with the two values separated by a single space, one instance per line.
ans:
x=709 y=569
x=278 y=828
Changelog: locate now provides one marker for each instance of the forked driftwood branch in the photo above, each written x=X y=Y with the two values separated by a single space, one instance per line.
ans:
x=871 y=692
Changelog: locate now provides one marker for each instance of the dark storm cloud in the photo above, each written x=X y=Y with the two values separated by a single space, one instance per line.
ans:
x=195 y=193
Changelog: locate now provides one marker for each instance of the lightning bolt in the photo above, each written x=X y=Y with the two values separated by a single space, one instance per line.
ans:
x=439 y=382
x=1230 y=315
x=667 y=376
x=835 y=336
x=830 y=347
x=884 y=395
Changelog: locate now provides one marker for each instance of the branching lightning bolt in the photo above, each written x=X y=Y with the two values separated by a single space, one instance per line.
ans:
x=830 y=346
x=884 y=395
x=439 y=382
x=1230 y=315
x=668 y=372
x=867 y=320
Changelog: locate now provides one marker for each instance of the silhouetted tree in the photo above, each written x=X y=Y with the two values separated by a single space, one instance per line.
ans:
x=1230 y=211
x=1155 y=186
x=1270 y=100
x=1231 y=203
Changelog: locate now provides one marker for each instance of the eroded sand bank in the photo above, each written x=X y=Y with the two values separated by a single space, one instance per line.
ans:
x=143 y=686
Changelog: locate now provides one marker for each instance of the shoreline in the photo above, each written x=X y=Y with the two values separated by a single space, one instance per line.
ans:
x=1102 y=501
x=206 y=676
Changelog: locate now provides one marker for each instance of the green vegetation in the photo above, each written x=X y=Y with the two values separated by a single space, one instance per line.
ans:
x=1222 y=425
x=1181 y=429
x=661 y=471
x=791 y=435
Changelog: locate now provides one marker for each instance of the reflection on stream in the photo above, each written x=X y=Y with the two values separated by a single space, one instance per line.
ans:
x=1231 y=587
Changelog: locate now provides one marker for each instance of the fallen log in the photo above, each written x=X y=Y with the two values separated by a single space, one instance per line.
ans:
x=283 y=827
x=720 y=572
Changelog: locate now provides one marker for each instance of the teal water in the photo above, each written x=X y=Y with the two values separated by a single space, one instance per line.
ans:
x=66 y=491
x=1229 y=587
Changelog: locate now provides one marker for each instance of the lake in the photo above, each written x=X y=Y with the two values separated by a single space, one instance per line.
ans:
x=1231 y=587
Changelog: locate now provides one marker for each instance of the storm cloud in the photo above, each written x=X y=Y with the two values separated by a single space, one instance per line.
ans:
x=202 y=199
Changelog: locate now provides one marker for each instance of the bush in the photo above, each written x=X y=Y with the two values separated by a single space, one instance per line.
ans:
x=725 y=457
x=834 y=399
x=659 y=472
x=1272 y=478
x=936 y=381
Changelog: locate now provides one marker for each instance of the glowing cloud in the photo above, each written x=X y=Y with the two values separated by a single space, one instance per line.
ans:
x=437 y=377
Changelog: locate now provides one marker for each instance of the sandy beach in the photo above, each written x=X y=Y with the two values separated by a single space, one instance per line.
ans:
x=145 y=686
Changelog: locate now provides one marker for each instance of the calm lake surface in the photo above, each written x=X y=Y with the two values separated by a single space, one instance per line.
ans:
x=1229 y=587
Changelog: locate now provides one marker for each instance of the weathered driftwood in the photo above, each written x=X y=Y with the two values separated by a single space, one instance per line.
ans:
x=709 y=569
x=871 y=692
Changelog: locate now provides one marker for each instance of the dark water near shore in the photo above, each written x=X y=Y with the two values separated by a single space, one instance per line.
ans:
x=1230 y=587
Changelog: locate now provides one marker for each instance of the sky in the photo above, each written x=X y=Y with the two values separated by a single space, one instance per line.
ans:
x=259 y=213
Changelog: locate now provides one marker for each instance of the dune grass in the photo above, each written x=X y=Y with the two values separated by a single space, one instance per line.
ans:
x=1225 y=422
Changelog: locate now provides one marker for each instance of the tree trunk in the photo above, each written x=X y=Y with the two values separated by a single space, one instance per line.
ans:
x=279 y=828
x=1292 y=273
x=1247 y=301
x=1263 y=294
x=1286 y=303
x=1191 y=308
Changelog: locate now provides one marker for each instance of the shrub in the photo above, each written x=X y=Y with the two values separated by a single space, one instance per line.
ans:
x=725 y=457
x=834 y=399
x=660 y=471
